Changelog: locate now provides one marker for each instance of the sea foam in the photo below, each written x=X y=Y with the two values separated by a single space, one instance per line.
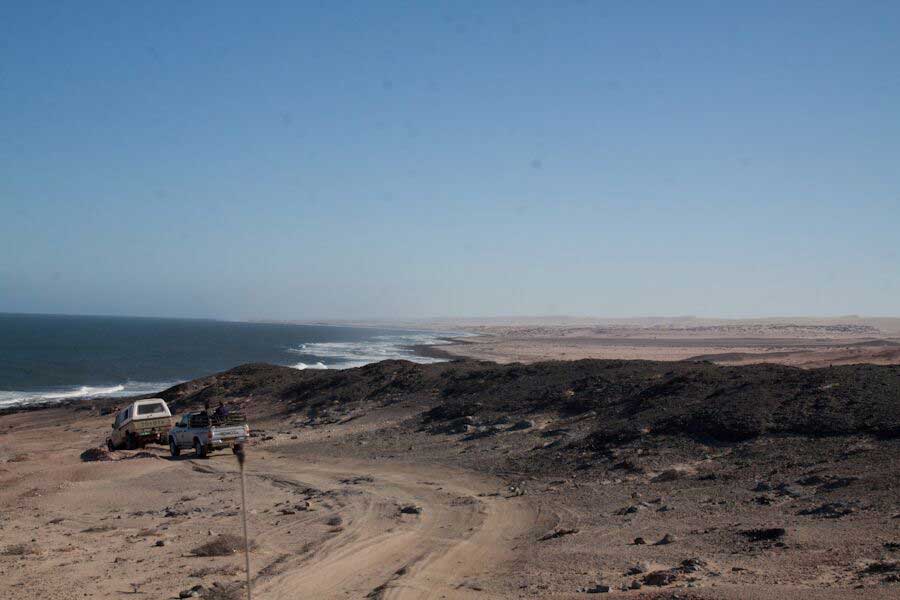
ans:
x=344 y=355
x=131 y=388
x=303 y=366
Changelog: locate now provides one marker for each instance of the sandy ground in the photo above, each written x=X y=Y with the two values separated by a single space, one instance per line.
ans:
x=329 y=528
x=807 y=343
x=325 y=515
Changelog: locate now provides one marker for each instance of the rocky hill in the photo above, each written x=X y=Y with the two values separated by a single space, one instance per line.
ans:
x=618 y=400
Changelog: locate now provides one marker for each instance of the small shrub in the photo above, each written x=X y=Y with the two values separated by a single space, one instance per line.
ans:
x=143 y=533
x=226 y=570
x=95 y=454
x=224 y=591
x=21 y=550
x=224 y=545
x=882 y=567
x=764 y=535
x=98 y=529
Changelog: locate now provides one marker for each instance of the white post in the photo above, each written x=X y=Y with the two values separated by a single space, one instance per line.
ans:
x=239 y=452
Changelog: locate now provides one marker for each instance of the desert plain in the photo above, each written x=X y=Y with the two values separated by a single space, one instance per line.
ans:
x=546 y=460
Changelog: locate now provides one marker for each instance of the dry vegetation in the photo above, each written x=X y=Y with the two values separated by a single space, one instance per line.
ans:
x=99 y=529
x=225 y=570
x=143 y=533
x=22 y=550
x=223 y=591
x=223 y=545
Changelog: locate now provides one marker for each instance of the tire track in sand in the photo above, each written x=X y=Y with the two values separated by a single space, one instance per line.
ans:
x=458 y=547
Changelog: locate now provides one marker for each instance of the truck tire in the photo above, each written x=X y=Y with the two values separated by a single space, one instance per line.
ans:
x=110 y=446
x=199 y=449
x=130 y=442
x=174 y=450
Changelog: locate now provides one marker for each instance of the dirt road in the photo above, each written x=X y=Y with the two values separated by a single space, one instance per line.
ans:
x=324 y=528
x=453 y=548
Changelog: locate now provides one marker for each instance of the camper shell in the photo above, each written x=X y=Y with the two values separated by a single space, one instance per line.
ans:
x=141 y=422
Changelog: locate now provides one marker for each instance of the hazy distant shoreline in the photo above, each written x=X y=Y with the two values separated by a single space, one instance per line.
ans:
x=804 y=342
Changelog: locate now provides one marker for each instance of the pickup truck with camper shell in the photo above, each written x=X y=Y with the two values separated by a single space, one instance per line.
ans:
x=141 y=422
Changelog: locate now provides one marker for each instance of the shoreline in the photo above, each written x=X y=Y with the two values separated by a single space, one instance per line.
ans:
x=50 y=377
x=552 y=343
x=440 y=351
x=813 y=344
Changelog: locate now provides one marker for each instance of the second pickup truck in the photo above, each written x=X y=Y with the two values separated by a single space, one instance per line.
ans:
x=204 y=433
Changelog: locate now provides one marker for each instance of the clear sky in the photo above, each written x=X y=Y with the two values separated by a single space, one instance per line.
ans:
x=380 y=159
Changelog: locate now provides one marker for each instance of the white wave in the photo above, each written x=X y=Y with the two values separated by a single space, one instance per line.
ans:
x=316 y=355
x=344 y=355
x=84 y=391
x=303 y=366
x=130 y=388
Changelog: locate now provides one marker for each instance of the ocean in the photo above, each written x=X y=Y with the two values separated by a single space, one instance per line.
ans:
x=45 y=358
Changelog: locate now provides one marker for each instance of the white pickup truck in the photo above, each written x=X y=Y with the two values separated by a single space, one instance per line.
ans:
x=204 y=432
x=141 y=422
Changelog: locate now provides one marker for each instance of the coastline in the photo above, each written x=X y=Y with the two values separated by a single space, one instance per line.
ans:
x=806 y=343
x=442 y=350
x=132 y=357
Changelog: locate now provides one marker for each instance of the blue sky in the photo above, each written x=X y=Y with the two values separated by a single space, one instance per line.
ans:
x=351 y=160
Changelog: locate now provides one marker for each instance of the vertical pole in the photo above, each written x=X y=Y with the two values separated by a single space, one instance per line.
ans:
x=239 y=452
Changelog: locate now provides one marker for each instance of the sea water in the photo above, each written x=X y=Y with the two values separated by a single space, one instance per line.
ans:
x=48 y=357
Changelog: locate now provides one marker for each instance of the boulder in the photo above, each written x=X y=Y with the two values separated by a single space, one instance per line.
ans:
x=96 y=454
x=557 y=533
x=660 y=578
x=460 y=425
x=668 y=475
x=764 y=535
x=692 y=565
x=641 y=567
x=830 y=510
x=666 y=539
x=193 y=592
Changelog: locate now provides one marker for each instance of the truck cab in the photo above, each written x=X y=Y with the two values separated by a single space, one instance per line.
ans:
x=141 y=422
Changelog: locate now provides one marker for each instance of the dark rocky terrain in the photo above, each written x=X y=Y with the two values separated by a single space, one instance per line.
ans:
x=756 y=463
x=618 y=401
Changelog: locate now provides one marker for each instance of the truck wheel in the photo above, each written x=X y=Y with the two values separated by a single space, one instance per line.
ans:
x=199 y=449
x=110 y=446
x=130 y=442
x=174 y=450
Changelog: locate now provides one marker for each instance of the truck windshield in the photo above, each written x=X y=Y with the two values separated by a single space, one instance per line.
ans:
x=149 y=409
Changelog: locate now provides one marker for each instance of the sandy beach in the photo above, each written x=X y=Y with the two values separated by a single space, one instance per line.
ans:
x=803 y=342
